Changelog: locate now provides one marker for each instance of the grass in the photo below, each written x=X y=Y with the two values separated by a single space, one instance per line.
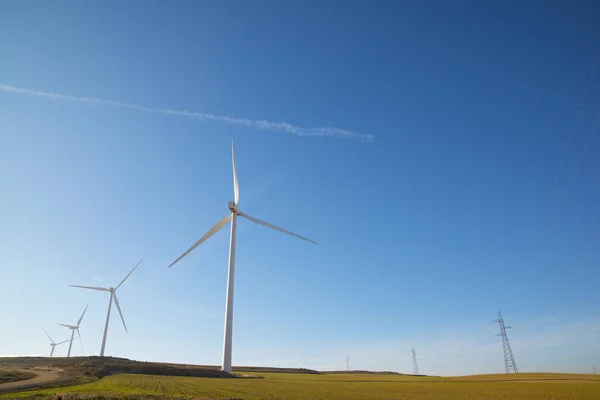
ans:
x=12 y=376
x=95 y=378
x=335 y=386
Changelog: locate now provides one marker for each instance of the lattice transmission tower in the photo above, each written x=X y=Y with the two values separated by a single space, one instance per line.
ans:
x=509 y=359
x=415 y=365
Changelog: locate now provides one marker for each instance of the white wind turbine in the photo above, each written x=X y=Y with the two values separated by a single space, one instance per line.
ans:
x=235 y=212
x=74 y=328
x=52 y=343
x=113 y=296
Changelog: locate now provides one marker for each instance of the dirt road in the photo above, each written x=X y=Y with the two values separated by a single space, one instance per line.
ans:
x=41 y=378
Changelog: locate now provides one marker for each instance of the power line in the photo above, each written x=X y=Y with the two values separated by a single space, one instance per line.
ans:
x=509 y=359
x=562 y=164
x=589 y=139
x=564 y=199
x=415 y=365
x=568 y=148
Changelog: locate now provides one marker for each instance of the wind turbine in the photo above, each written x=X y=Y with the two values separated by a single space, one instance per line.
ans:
x=52 y=343
x=235 y=212
x=74 y=328
x=113 y=296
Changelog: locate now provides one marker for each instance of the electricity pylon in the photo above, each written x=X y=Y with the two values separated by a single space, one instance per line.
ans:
x=509 y=359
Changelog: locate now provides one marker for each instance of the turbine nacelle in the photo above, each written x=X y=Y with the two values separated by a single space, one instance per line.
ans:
x=233 y=208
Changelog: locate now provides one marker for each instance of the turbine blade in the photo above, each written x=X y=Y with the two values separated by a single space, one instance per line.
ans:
x=80 y=318
x=208 y=234
x=51 y=340
x=64 y=341
x=79 y=337
x=120 y=313
x=124 y=279
x=236 y=189
x=92 y=287
x=268 y=225
x=69 y=326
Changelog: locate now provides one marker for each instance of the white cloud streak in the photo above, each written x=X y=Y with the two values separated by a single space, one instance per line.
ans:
x=248 y=123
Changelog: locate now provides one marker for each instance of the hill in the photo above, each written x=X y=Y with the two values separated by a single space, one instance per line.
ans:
x=363 y=372
x=99 y=367
x=78 y=370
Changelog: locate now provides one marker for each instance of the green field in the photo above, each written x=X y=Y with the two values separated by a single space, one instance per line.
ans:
x=339 y=386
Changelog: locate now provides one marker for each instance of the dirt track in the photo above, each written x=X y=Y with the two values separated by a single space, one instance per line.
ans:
x=41 y=378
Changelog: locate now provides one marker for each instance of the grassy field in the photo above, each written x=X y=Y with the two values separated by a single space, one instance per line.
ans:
x=12 y=376
x=339 y=386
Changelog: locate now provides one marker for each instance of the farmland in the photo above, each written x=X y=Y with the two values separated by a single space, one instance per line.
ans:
x=336 y=386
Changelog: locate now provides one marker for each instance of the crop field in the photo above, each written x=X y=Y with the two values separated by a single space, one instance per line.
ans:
x=305 y=386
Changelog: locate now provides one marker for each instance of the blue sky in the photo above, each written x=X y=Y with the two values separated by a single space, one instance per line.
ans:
x=449 y=214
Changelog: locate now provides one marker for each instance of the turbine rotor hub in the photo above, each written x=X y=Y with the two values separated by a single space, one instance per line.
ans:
x=233 y=207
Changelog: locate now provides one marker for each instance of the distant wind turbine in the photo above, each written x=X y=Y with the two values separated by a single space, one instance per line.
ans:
x=235 y=212
x=74 y=328
x=113 y=296
x=52 y=343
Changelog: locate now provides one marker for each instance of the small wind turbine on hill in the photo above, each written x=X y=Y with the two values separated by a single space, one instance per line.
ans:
x=74 y=328
x=52 y=343
x=113 y=297
x=235 y=212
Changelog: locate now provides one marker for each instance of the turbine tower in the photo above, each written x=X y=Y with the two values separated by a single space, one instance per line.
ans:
x=232 y=217
x=415 y=365
x=113 y=297
x=509 y=360
x=594 y=368
x=347 y=363
x=74 y=328
x=52 y=343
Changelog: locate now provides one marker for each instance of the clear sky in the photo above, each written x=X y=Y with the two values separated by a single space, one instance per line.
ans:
x=446 y=215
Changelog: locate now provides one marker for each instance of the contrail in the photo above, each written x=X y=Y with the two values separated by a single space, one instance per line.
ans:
x=255 y=124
